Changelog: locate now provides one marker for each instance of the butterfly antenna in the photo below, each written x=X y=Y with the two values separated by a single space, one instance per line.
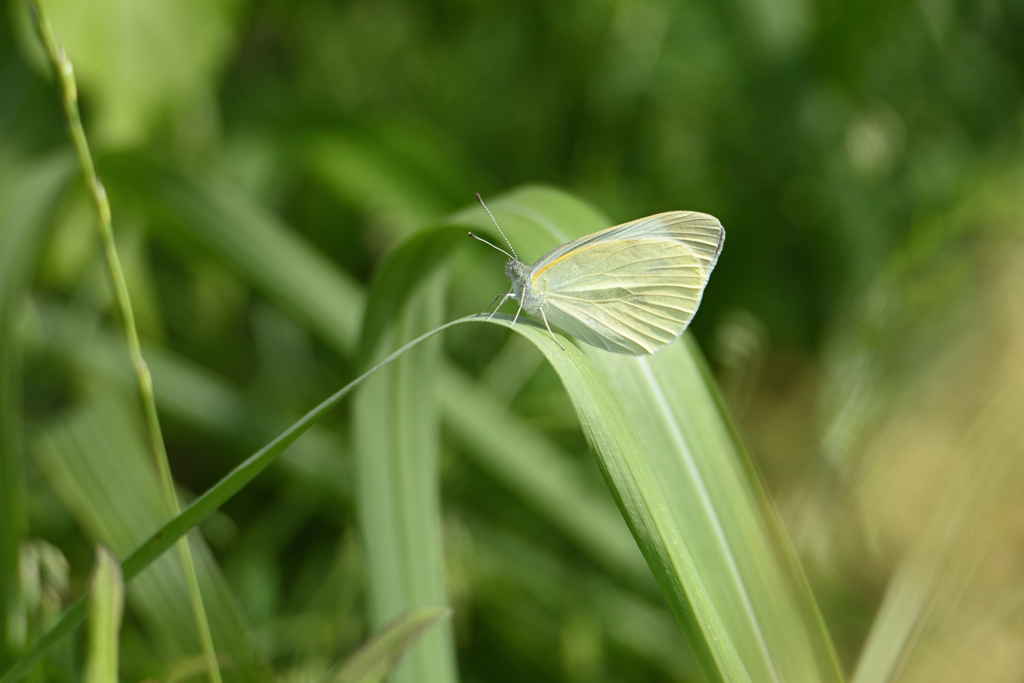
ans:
x=497 y=226
x=478 y=237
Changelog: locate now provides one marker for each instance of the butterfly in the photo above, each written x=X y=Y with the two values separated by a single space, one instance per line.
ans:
x=630 y=289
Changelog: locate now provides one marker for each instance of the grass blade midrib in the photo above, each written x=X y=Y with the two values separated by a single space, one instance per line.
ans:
x=705 y=499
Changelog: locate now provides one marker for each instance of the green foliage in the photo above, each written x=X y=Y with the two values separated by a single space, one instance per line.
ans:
x=676 y=469
x=143 y=62
x=291 y=184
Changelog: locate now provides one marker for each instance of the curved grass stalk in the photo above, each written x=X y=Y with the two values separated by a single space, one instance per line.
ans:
x=204 y=505
x=69 y=89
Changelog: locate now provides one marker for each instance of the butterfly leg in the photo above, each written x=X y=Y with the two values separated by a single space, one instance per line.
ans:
x=517 y=314
x=545 y=318
x=491 y=304
x=503 y=300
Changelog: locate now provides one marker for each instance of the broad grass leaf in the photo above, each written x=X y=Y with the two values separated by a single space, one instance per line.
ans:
x=744 y=573
x=401 y=274
x=397 y=423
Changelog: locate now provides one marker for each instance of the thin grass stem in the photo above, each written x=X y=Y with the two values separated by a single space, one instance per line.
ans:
x=69 y=90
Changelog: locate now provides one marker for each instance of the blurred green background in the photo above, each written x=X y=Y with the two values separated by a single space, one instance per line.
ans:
x=865 y=321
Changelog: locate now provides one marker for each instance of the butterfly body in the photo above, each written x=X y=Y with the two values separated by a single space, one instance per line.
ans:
x=630 y=289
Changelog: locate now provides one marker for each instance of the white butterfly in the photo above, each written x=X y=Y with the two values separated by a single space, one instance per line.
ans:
x=629 y=289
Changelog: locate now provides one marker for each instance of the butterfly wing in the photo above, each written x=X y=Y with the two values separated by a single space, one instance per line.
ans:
x=633 y=288
x=699 y=232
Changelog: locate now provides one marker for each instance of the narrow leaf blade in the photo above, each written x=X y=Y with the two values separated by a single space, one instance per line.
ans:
x=380 y=654
x=397 y=430
x=106 y=607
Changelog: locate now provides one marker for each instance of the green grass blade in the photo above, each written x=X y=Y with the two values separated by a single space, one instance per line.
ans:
x=26 y=202
x=628 y=471
x=106 y=606
x=748 y=608
x=158 y=543
x=535 y=219
x=495 y=440
x=194 y=395
x=69 y=89
x=743 y=575
x=545 y=477
x=174 y=529
x=688 y=491
x=232 y=227
x=380 y=654
x=94 y=457
x=517 y=455
x=399 y=276
x=397 y=438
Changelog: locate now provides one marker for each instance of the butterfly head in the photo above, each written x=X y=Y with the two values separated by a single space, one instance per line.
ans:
x=515 y=270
